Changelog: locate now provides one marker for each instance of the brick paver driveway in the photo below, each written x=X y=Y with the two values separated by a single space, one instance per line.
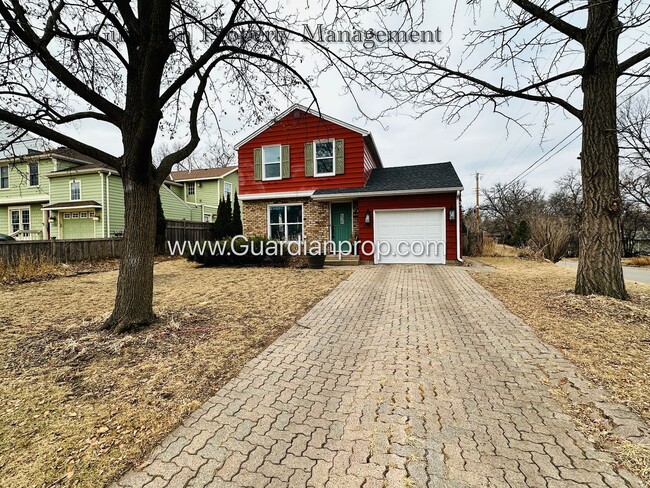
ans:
x=403 y=376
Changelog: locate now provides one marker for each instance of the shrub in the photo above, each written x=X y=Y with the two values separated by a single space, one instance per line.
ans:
x=640 y=261
x=551 y=236
x=27 y=268
x=243 y=253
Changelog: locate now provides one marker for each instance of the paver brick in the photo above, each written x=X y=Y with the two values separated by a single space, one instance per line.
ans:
x=403 y=376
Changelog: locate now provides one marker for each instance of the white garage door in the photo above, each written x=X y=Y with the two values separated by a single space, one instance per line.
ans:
x=410 y=236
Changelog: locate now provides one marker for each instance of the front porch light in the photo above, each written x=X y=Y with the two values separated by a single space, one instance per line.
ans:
x=452 y=214
x=367 y=218
x=51 y=220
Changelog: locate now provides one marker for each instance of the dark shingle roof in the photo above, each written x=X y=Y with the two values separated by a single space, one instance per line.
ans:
x=403 y=178
x=73 y=204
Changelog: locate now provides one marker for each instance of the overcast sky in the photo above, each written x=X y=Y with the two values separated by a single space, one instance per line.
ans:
x=484 y=147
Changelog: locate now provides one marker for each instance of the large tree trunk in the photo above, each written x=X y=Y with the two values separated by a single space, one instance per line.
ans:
x=133 y=302
x=599 y=269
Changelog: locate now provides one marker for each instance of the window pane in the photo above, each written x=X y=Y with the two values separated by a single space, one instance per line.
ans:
x=272 y=154
x=277 y=232
x=272 y=170
x=25 y=216
x=33 y=174
x=15 y=217
x=295 y=231
x=276 y=214
x=294 y=214
x=325 y=166
x=324 y=149
x=75 y=193
x=4 y=177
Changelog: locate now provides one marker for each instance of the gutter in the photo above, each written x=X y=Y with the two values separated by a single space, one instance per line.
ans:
x=108 y=206
x=101 y=176
x=368 y=194
x=458 y=217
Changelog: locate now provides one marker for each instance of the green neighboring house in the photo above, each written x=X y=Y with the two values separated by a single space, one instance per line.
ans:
x=62 y=194
x=207 y=186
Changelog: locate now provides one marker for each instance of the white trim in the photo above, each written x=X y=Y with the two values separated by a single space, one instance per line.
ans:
x=225 y=193
x=333 y=172
x=34 y=199
x=297 y=106
x=108 y=206
x=458 y=253
x=286 y=224
x=101 y=179
x=444 y=225
x=270 y=196
x=78 y=207
x=189 y=205
x=274 y=178
x=70 y=190
x=345 y=196
x=80 y=171
x=20 y=218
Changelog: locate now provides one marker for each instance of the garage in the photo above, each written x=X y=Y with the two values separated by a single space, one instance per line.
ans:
x=410 y=236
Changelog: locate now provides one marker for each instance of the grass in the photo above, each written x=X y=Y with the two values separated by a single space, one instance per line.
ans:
x=80 y=406
x=43 y=269
x=637 y=261
x=608 y=339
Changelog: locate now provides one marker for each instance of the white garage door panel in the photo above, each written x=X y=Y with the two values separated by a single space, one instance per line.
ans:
x=395 y=226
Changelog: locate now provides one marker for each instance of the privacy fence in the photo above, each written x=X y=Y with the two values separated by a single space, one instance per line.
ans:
x=65 y=251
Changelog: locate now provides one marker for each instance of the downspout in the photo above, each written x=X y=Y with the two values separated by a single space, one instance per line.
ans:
x=108 y=204
x=458 y=217
x=101 y=176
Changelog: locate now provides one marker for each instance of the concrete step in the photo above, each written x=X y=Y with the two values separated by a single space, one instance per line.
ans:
x=333 y=260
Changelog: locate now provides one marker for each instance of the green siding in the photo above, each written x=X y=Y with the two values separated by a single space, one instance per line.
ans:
x=19 y=180
x=115 y=202
x=91 y=188
x=175 y=209
x=35 y=215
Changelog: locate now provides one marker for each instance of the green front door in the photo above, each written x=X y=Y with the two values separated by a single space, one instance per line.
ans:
x=341 y=214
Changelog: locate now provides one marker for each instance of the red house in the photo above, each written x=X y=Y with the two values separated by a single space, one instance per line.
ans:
x=308 y=176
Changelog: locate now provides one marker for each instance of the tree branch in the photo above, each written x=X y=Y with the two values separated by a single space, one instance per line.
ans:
x=631 y=61
x=546 y=16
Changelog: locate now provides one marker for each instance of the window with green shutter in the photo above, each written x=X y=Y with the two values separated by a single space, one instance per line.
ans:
x=309 y=159
x=286 y=163
x=257 y=164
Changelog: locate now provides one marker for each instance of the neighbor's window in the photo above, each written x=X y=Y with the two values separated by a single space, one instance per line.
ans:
x=19 y=219
x=75 y=190
x=324 y=151
x=191 y=188
x=227 y=189
x=271 y=167
x=33 y=174
x=285 y=222
x=67 y=215
x=4 y=177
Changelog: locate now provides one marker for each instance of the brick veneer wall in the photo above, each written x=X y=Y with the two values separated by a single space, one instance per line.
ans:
x=316 y=219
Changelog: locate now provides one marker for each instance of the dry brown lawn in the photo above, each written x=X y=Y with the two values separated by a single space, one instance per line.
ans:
x=79 y=407
x=608 y=339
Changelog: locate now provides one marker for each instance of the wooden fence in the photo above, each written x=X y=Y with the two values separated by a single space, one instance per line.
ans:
x=66 y=251
x=182 y=230
x=61 y=251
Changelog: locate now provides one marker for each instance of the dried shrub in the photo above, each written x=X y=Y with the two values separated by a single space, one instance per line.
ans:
x=27 y=268
x=551 y=236
x=530 y=254
x=640 y=261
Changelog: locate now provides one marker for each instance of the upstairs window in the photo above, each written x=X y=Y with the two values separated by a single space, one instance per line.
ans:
x=33 y=174
x=227 y=189
x=271 y=162
x=4 y=177
x=191 y=188
x=75 y=190
x=324 y=158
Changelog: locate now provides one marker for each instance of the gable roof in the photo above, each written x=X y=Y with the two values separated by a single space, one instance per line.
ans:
x=425 y=178
x=61 y=152
x=202 y=174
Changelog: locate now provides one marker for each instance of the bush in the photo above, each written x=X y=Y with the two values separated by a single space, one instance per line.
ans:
x=551 y=236
x=243 y=253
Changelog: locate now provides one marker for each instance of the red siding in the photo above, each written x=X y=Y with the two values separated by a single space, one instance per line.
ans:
x=446 y=200
x=296 y=132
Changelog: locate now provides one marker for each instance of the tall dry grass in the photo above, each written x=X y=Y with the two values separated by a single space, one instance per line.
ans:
x=640 y=261
x=27 y=269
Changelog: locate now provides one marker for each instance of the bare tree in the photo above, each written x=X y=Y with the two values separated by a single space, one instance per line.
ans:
x=634 y=137
x=566 y=202
x=141 y=68
x=525 y=58
x=506 y=206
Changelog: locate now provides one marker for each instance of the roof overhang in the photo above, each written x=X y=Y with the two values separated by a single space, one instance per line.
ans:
x=25 y=200
x=71 y=206
x=275 y=195
x=388 y=193
x=81 y=171
x=184 y=180
x=311 y=111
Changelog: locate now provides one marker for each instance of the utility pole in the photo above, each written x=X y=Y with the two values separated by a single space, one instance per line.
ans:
x=476 y=210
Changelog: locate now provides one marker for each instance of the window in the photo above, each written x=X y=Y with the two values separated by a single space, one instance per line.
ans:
x=191 y=188
x=285 y=222
x=33 y=174
x=4 y=177
x=20 y=219
x=91 y=215
x=227 y=189
x=75 y=190
x=324 y=158
x=271 y=167
x=84 y=215
x=67 y=215
x=75 y=215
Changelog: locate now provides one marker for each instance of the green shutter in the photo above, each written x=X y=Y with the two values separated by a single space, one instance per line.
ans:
x=257 y=164
x=309 y=159
x=339 y=154
x=286 y=168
